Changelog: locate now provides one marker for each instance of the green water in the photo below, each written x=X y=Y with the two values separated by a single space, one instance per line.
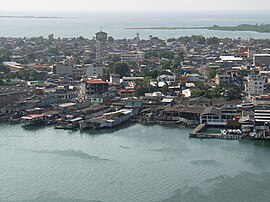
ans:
x=132 y=163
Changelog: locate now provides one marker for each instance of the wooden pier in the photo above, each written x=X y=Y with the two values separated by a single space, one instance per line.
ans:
x=214 y=136
x=198 y=133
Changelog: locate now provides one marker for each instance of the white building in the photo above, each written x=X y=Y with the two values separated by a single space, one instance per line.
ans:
x=166 y=78
x=132 y=56
x=255 y=86
x=115 y=78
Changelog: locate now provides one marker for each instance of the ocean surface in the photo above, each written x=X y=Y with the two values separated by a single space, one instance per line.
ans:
x=129 y=164
x=87 y=24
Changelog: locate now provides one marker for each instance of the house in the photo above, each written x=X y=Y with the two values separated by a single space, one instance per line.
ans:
x=97 y=100
x=127 y=93
x=132 y=56
x=133 y=103
x=166 y=78
x=96 y=86
x=212 y=116
x=199 y=102
x=67 y=107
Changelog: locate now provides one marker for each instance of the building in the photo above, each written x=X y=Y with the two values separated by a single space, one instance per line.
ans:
x=96 y=86
x=115 y=78
x=166 y=78
x=195 y=78
x=78 y=72
x=212 y=116
x=63 y=70
x=101 y=38
x=93 y=71
x=132 y=56
x=222 y=79
x=262 y=121
x=132 y=79
x=255 y=86
x=261 y=59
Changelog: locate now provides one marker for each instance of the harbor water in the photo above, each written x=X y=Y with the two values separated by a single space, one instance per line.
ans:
x=130 y=163
x=87 y=24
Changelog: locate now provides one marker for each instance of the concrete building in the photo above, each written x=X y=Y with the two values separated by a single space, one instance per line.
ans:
x=93 y=71
x=101 y=38
x=63 y=70
x=166 y=78
x=115 y=78
x=96 y=86
x=261 y=59
x=132 y=56
x=255 y=86
x=222 y=79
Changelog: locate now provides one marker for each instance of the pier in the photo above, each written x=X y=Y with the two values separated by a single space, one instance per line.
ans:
x=198 y=133
x=214 y=136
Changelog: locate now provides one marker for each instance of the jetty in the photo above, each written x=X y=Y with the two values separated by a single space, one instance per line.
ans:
x=198 y=133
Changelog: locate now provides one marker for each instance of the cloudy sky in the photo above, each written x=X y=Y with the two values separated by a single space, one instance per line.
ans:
x=132 y=5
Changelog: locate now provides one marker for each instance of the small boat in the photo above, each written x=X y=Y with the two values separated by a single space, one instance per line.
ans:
x=33 y=120
x=223 y=132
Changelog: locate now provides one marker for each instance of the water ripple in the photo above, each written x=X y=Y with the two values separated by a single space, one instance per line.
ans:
x=68 y=153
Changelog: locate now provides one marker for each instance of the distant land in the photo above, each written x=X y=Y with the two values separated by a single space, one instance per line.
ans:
x=263 y=28
x=38 y=17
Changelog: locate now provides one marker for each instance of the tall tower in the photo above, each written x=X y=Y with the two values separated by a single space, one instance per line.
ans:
x=137 y=40
x=101 y=38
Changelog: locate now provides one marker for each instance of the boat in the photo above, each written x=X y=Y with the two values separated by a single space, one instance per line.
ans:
x=33 y=120
x=68 y=124
x=223 y=132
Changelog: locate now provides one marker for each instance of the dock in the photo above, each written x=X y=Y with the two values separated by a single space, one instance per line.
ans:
x=198 y=133
x=215 y=136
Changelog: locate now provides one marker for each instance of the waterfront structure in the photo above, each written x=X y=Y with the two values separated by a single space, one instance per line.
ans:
x=262 y=121
x=110 y=119
x=212 y=116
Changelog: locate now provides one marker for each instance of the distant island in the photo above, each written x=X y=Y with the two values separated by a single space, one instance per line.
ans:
x=30 y=17
x=263 y=28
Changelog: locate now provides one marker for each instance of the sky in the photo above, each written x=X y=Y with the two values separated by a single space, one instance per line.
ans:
x=9 y=6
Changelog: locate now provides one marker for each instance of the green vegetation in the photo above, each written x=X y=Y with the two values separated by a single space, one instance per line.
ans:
x=217 y=92
x=26 y=75
x=263 y=28
x=212 y=73
x=120 y=68
x=143 y=86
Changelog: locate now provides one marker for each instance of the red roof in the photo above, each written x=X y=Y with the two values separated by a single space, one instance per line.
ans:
x=96 y=81
x=127 y=91
x=33 y=116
